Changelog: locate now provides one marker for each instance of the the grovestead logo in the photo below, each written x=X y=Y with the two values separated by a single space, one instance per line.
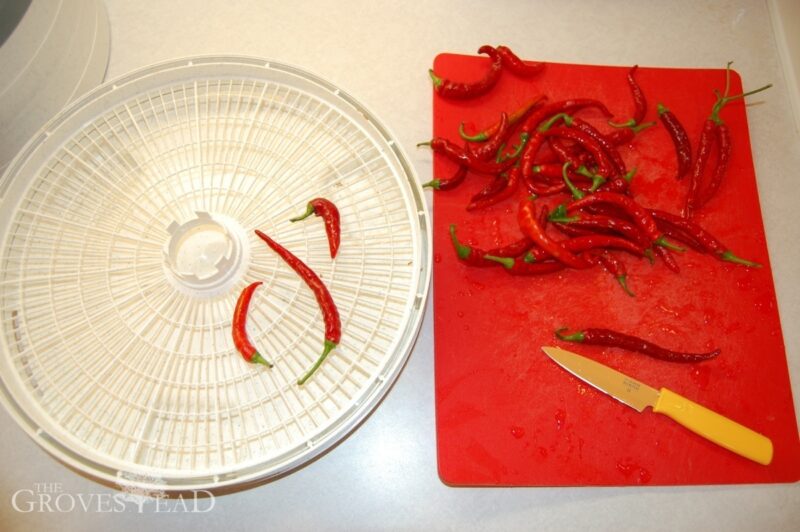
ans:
x=138 y=493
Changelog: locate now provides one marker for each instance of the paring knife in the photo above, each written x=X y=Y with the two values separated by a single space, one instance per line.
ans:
x=699 y=419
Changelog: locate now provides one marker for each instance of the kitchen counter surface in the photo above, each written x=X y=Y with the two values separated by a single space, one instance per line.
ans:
x=384 y=476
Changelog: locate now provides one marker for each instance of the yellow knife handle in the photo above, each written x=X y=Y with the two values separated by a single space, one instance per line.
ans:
x=714 y=427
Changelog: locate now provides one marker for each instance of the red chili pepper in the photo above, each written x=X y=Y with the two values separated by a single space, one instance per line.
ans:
x=474 y=256
x=610 y=150
x=531 y=228
x=239 y=327
x=516 y=65
x=513 y=118
x=616 y=268
x=703 y=238
x=585 y=243
x=563 y=106
x=599 y=222
x=458 y=155
x=604 y=164
x=626 y=131
x=639 y=101
x=330 y=214
x=450 y=89
x=333 y=326
x=609 y=338
x=574 y=154
x=516 y=266
x=708 y=138
x=510 y=184
x=683 y=148
x=489 y=149
x=640 y=216
x=724 y=156
x=448 y=183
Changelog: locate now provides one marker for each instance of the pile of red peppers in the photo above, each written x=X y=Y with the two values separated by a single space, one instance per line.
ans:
x=555 y=152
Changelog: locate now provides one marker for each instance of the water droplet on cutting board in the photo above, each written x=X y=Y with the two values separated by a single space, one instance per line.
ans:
x=517 y=432
x=437 y=258
x=561 y=416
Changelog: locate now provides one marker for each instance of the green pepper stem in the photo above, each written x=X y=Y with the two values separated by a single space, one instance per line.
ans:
x=258 y=359
x=433 y=183
x=574 y=337
x=664 y=243
x=577 y=194
x=723 y=100
x=477 y=137
x=434 y=78
x=629 y=175
x=559 y=215
x=623 y=281
x=729 y=256
x=640 y=127
x=507 y=262
x=462 y=250
x=309 y=212
x=661 y=109
x=627 y=123
x=555 y=118
x=523 y=140
x=648 y=253
x=426 y=143
x=529 y=257
x=329 y=346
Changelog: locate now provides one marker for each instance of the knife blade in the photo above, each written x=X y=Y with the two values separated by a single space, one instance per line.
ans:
x=638 y=395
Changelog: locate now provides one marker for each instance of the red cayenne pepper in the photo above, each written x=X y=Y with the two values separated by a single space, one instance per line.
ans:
x=626 y=131
x=639 y=101
x=609 y=338
x=509 y=187
x=705 y=239
x=239 y=327
x=458 y=155
x=456 y=90
x=683 y=148
x=517 y=266
x=333 y=327
x=473 y=256
x=448 y=183
x=513 y=118
x=516 y=65
x=616 y=268
x=530 y=227
x=330 y=214
x=489 y=149
x=585 y=243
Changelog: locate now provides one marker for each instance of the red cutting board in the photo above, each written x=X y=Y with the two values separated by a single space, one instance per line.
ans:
x=506 y=415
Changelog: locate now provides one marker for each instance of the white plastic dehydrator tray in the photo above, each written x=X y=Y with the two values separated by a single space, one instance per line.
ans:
x=126 y=226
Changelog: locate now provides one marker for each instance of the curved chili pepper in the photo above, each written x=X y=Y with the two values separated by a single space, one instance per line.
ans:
x=666 y=256
x=609 y=338
x=333 y=326
x=513 y=118
x=683 y=148
x=605 y=167
x=640 y=216
x=516 y=65
x=610 y=150
x=330 y=214
x=508 y=189
x=454 y=153
x=473 y=256
x=616 y=268
x=706 y=143
x=239 y=327
x=516 y=266
x=585 y=243
x=491 y=147
x=531 y=228
x=598 y=222
x=574 y=154
x=723 y=159
x=457 y=90
x=448 y=183
x=562 y=106
x=703 y=238
x=639 y=101
x=626 y=131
